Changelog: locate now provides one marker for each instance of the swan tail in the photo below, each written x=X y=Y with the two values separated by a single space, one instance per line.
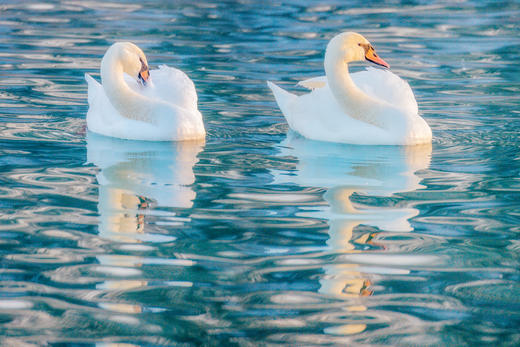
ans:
x=93 y=87
x=90 y=80
x=284 y=99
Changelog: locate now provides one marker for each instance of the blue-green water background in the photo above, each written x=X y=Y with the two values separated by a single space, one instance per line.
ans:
x=258 y=237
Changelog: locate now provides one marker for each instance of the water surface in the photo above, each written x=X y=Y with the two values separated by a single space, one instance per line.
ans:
x=257 y=236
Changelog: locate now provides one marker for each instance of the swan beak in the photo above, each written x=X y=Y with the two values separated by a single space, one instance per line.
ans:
x=371 y=56
x=143 y=76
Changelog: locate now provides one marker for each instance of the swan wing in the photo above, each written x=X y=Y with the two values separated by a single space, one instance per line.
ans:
x=314 y=83
x=381 y=84
x=384 y=85
x=173 y=86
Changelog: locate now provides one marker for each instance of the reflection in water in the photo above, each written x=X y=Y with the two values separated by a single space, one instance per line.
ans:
x=134 y=177
x=137 y=175
x=348 y=172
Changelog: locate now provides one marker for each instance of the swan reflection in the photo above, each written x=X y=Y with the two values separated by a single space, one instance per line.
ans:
x=347 y=170
x=134 y=178
x=348 y=173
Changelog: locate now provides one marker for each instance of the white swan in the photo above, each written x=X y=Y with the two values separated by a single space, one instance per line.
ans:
x=137 y=104
x=372 y=107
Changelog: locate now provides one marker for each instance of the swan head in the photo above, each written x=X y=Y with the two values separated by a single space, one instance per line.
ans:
x=131 y=59
x=349 y=46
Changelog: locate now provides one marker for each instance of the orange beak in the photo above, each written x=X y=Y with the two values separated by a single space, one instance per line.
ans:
x=371 y=56
x=144 y=75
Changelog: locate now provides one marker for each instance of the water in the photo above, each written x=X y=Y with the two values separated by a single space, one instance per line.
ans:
x=258 y=236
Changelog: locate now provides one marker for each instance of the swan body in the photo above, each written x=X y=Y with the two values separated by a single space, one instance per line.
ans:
x=372 y=107
x=137 y=104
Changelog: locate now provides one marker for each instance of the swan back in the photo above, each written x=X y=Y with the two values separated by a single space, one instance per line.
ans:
x=172 y=85
x=384 y=85
x=377 y=83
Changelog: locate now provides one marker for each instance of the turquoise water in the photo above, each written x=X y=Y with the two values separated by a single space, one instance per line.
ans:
x=257 y=236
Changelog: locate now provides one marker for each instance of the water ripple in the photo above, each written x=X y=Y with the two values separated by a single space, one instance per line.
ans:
x=258 y=236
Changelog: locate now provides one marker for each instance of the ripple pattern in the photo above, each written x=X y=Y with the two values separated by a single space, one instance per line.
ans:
x=257 y=236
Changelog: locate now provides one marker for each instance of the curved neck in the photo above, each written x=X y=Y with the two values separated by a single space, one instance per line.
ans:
x=354 y=102
x=129 y=103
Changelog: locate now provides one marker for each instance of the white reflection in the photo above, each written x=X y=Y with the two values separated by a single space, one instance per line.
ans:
x=134 y=177
x=345 y=171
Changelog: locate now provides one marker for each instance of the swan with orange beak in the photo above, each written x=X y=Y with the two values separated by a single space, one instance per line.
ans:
x=371 y=107
x=128 y=105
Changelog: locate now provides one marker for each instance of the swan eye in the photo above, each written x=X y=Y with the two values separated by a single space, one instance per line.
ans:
x=365 y=46
x=143 y=64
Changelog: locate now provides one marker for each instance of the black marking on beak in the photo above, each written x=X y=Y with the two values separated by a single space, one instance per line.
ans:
x=144 y=73
x=371 y=55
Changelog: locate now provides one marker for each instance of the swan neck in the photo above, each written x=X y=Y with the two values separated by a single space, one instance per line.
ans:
x=126 y=101
x=353 y=101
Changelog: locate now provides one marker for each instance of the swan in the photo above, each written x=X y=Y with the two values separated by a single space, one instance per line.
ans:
x=135 y=103
x=372 y=107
